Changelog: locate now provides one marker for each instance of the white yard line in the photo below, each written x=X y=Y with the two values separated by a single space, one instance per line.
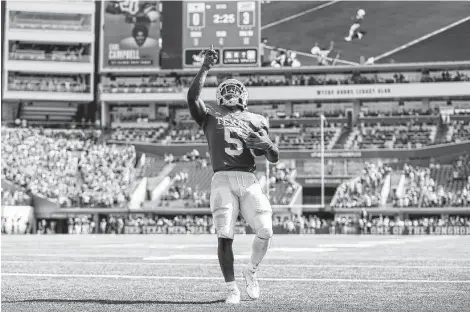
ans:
x=291 y=17
x=411 y=43
x=190 y=257
x=196 y=264
x=68 y=255
x=151 y=277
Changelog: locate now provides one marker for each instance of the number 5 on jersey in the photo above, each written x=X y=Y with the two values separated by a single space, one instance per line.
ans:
x=237 y=146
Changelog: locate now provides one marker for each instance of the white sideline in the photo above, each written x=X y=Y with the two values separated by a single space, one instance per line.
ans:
x=431 y=34
x=294 y=16
x=150 y=277
x=267 y=265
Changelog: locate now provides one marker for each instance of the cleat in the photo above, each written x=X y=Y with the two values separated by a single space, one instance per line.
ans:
x=233 y=297
x=359 y=35
x=251 y=282
x=347 y=38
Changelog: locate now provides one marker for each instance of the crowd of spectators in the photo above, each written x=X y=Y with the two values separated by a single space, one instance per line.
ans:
x=459 y=131
x=280 y=58
x=364 y=190
x=173 y=84
x=445 y=76
x=425 y=188
x=295 y=137
x=152 y=84
x=415 y=180
x=68 y=165
x=180 y=189
x=107 y=172
x=150 y=135
x=407 y=134
x=81 y=225
x=116 y=224
x=282 y=184
x=15 y=198
x=185 y=134
x=306 y=137
x=48 y=52
x=48 y=83
x=188 y=188
x=15 y=225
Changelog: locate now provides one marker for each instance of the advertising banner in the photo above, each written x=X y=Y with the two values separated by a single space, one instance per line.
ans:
x=348 y=92
x=130 y=39
x=420 y=230
x=280 y=229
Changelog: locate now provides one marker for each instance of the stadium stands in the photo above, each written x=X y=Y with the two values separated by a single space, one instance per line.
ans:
x=400 y=135
x=49 y=52
x=139 y=85
x=68 y=165
x=153 y=84
x=362 y=191
x=48 y=83
x=77 y=169
x=49 y=21
x=304 y=224
x=151 y=135
x=15 y=198
x=436 y=186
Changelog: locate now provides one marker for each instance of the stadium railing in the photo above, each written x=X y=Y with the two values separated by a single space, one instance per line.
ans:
x=356 y=90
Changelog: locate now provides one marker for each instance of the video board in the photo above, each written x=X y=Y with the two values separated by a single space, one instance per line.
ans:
x=233 y=27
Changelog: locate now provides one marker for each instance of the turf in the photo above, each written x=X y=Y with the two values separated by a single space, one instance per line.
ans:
x=181 y=273
x=389 y=24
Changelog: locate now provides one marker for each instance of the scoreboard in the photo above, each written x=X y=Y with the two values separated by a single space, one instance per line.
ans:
x=233 y=27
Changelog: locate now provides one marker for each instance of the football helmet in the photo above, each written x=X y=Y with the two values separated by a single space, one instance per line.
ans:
x=232 y=93
x=361 y=13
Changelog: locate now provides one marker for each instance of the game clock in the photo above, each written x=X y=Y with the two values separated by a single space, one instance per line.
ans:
x=231 y=26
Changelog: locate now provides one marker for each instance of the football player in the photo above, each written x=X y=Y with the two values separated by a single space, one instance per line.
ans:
x=235 y=136
x=322 y=55
x=135 y=11
x=355 y=31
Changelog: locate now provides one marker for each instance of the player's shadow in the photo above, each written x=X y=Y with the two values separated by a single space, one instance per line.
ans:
x=104 y=301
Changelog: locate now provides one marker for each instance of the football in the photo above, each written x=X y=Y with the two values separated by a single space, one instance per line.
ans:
x=257 y=152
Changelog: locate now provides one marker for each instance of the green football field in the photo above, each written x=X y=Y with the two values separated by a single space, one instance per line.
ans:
x=181 y=273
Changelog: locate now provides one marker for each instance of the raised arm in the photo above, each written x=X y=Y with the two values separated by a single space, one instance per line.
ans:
x=196 y=104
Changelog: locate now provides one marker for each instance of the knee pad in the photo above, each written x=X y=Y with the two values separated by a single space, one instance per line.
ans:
x=265 y=233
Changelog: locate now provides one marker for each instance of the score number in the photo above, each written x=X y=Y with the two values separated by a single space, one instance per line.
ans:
x=196 y=20
x=234 y=141
x=196 y=15
x=246 y=19
x=246 y=13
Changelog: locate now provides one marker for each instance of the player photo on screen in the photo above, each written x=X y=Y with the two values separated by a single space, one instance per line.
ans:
x=131 y=34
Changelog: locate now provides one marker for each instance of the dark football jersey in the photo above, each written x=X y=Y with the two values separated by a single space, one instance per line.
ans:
x=358 y=20
x=136 y=9
x=223 y=129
